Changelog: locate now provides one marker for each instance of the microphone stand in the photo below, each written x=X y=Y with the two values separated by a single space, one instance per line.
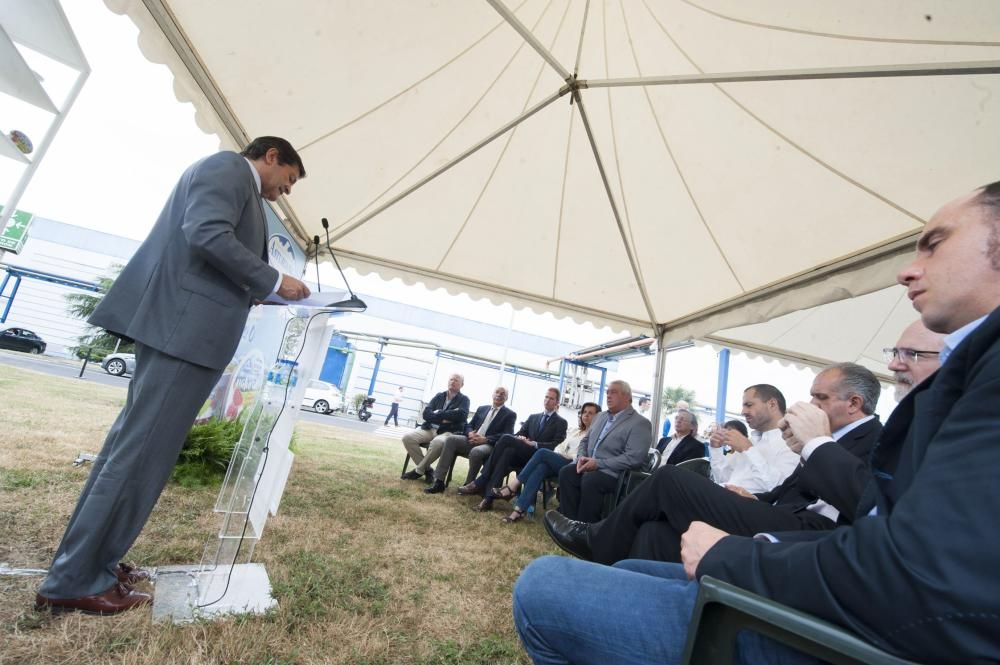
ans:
x=354 y=303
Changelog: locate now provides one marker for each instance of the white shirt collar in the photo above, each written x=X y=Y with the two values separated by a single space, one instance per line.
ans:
x=849 y=427
x=256 y=176
x=952 y=341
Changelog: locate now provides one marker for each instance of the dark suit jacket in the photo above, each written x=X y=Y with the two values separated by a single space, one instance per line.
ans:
x=187 y=290
x=502 y=423
x=456 y=414
x=836 y=472
x=550 y=437
x=688 y=448
x=919 y=578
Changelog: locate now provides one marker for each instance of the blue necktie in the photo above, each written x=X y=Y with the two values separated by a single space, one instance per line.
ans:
x=541 y=424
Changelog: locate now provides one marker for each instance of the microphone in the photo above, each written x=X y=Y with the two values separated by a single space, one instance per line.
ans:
x=319 y=287
x=354 y=303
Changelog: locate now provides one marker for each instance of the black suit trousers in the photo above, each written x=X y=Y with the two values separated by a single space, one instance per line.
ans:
x=509 y=453
x=648 y=524
x=581 y=495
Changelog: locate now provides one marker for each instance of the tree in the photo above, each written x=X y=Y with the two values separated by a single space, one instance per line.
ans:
x=82 y=305
x=674 y=394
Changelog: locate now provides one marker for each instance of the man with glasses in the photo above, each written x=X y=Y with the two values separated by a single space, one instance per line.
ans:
x=914 y=358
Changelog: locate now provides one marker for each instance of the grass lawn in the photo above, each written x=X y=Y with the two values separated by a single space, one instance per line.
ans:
x=365 y=567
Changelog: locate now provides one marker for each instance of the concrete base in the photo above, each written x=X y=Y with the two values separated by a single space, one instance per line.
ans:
x=179 y=590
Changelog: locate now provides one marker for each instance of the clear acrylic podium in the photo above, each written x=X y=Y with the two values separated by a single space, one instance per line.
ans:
x=295 y=340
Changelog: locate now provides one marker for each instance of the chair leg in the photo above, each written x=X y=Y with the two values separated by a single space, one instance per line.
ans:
x=447 y=481
x=406 y=463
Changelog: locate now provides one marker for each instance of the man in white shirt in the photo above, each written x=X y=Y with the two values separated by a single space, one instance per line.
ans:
x=762 y=461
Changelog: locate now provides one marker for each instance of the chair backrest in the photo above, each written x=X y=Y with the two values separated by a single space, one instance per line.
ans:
x=699 y=465
x=652 y=461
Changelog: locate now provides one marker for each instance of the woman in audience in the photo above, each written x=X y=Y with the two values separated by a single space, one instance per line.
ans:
x=545 y=464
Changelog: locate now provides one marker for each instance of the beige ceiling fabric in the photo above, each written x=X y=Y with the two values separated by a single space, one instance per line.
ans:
x=685 y=166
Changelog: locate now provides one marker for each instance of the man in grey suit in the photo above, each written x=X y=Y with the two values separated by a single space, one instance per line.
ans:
x=184 y=298
x=618 y=439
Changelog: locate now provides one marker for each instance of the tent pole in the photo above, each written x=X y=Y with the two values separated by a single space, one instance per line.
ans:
x=658 y=381
x=340 y=233
x=633 y=262
x=722 y=387
x=878 y=71
x=529 y=37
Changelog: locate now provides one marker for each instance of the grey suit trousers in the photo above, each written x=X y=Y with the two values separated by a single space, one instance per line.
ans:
x=138 y=456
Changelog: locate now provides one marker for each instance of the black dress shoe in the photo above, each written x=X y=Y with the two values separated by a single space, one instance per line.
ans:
x=412 y=475
x=572 y=536
x=436 y=488
x=429 y=476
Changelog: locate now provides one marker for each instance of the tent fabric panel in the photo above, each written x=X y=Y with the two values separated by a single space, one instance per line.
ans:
x=715 y=44
x=854 y=330
x=17 y=79
x=41 y=26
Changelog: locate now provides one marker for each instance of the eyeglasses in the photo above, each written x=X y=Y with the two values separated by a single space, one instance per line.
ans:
x=906 y=355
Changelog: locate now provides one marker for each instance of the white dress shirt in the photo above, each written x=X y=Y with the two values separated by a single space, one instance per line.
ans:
x=758 y=469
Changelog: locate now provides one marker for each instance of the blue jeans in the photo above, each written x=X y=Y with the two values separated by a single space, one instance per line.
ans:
x=572 y=611
x=543 y=464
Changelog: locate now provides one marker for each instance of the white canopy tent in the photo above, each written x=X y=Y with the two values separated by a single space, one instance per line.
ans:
x=669 y=166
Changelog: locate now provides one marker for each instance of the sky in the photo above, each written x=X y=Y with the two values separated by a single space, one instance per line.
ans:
x=127 y=138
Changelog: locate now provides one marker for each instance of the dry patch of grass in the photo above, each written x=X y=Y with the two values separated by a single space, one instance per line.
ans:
x=365 y=567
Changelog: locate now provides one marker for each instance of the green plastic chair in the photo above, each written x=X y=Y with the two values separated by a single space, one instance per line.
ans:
x=723 y=610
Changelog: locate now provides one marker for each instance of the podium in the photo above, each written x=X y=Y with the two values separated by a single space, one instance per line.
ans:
x=282 y=349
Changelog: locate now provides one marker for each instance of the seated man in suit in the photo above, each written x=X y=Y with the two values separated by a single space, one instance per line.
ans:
x=823 y=491
x=445 y=414
x=914 y=358
x=619 y=439
x=760 y=462
x=541 y=430
x=490 y=423
x=915 y=572
x=684 y=444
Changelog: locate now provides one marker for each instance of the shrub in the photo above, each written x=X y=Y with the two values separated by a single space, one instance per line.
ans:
x=206 y=453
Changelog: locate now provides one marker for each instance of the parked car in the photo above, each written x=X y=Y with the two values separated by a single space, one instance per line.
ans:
x=118 y=364
x=323 y=397
x=20 y=339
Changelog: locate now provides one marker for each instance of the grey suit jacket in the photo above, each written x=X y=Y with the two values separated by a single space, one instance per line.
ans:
x=625 y=446
x=187 y=290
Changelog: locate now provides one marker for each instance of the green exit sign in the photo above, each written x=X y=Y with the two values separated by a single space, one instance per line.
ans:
x=15 y=232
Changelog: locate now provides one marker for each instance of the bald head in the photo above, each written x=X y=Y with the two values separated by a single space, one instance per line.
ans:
x=911 y=368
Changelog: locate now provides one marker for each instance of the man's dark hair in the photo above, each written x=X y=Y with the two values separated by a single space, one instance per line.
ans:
x=858 y=380
x=286 y=153
x=554 y=390
x=989 y=199
x=736 y=425
x=766 y=392
x=643 y=400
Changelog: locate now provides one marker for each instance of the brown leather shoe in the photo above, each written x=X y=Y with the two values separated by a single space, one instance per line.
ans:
x=117 y=599
x=131 y=574
x=469 y=490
